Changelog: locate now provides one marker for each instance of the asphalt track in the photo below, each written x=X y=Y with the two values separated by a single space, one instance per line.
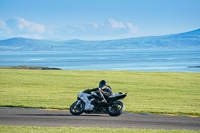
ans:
x=56 y=118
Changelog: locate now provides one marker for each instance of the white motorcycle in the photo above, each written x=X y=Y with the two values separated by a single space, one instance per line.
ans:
x=90 y=103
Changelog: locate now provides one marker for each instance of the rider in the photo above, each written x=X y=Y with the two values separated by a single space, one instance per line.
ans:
x=104 y=90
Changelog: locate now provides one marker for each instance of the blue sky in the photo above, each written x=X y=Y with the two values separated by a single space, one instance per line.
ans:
x=96 y=19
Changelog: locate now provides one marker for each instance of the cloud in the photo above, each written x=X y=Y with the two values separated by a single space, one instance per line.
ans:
x=20 y=27
x=109 y=29
x=20 y=24
x=132 y=28
x=30 y=26
x=2 y=24
x=3 y=28
x=108 y=26
x=115 y=25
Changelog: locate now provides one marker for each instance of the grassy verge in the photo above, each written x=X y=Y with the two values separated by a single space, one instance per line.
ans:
x=148 y=92
x=25 y=129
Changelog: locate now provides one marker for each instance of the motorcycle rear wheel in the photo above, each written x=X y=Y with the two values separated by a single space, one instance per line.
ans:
x=77 y=109
x=116 y=108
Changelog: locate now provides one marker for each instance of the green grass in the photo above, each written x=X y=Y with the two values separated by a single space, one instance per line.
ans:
x=28 y=129
x=148 y=92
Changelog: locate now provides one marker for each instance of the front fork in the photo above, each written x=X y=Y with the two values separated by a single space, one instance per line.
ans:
x=79 y=101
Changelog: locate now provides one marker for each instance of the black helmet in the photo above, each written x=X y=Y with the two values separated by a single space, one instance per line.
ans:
x=102 y=83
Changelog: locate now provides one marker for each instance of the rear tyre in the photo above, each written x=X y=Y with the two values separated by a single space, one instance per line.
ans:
x=77 y=109
x=116 y=108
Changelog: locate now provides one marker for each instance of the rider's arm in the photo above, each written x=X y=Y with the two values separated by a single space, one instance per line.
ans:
x=107 y=92
x=95 y=89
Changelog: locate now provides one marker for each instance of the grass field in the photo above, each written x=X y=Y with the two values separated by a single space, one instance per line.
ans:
x=148 y=92
x=29 y=129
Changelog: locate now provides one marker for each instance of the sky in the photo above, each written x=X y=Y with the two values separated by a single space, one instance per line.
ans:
x=96 y=19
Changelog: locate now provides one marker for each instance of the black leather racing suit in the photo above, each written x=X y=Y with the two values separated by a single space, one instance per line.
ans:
x=104 y=92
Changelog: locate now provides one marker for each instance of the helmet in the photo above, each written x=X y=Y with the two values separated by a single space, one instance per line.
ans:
x=102 y=83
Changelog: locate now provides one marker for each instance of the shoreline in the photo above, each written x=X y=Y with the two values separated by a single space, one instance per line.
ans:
x=30 y=67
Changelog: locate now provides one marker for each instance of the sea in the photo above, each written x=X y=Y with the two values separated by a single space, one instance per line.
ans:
x=114 y=60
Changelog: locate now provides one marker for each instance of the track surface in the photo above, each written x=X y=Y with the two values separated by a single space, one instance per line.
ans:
x=55 y=118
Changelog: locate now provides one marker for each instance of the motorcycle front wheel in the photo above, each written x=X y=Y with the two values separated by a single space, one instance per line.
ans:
x=116 y=108
x=77 y=108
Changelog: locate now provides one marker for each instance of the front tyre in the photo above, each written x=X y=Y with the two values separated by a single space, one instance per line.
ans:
x=77 y=108
x=116 y=108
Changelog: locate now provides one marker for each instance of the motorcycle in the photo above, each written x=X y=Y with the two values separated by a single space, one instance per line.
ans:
x=88 y=102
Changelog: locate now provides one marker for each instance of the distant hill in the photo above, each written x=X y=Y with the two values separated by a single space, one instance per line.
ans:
x=187 y=40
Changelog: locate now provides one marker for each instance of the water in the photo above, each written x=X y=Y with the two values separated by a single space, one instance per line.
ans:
x=126 y=60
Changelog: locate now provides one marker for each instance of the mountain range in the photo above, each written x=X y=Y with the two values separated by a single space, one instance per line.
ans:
x=187 y=40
